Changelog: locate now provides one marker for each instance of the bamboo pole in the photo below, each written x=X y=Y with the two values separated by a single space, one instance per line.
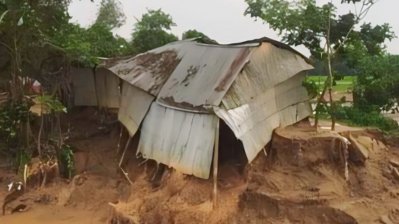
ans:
x=125 y=174
x=215 y=166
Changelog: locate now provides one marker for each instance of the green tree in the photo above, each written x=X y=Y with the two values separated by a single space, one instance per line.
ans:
x=110 y=14
x=321 y=30
x=152 y=31
x=377 y=83
x=26 y=30
x=38 y=41
x=85 y=46
x=200 y=37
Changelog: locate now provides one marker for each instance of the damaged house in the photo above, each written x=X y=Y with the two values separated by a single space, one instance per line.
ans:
x=178 y=98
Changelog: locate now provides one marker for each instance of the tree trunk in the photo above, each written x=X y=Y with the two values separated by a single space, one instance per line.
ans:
x=330 y=76
x=39 y=150
x=319 y=100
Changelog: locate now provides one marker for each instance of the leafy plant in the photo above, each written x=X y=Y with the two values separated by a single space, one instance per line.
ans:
x=66 y=161
x=312 y=88
x=46 y=104
x=12 y=116
x=22 y=158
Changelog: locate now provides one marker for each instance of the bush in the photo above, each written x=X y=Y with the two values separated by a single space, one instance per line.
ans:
x=11 y=119
x=359 y=117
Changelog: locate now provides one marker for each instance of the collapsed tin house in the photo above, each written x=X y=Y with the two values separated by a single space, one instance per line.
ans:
x=177 y=94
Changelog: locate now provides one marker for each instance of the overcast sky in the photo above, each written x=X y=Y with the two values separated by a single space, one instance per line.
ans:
x=222 y=20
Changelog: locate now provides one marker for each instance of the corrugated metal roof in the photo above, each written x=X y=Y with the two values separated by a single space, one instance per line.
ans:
x=182 y=140
x=269 y=66
x=208 y=70
x=177 y=72
x=148 y=71
x=276 y=43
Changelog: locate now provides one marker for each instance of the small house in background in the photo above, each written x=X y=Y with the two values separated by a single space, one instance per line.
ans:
x=179 y=95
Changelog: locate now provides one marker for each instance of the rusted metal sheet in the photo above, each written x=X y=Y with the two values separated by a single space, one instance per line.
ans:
x=269 y=66
x=133 y=107
x=253 y=123
x=203 y=76
x=176 y=73
x=181 y=140
x=150 y=70
x=107 y=88
x=83 y=87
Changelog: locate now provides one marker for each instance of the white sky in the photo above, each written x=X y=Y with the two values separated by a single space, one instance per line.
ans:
x=221 y=20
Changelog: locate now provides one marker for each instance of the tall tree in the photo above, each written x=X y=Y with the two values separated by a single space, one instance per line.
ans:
x=152 y=31
x=199 y=36
x=110 y=14
x=320 y=29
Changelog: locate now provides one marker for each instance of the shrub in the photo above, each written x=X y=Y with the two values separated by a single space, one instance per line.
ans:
x=359 y=117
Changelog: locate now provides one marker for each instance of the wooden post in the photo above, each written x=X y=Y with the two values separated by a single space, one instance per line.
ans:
x=215 y=166
x=120 y=139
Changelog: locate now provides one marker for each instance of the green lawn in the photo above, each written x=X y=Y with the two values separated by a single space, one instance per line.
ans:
x=342 y=85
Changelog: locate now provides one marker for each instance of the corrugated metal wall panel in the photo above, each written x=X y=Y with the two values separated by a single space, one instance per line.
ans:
x=179 y=139
x=269 y=66
x=256 y=137
x=134 y=106
x=107 y=87
x=253 y=123
x=83 y=87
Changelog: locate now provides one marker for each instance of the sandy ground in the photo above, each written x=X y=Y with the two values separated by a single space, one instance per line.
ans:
x=301 y=180
x=52 y=214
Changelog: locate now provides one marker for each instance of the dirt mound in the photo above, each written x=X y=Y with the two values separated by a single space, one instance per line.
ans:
x=258 y=207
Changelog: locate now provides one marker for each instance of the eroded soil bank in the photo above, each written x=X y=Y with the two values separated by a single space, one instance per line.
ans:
x=305 y=178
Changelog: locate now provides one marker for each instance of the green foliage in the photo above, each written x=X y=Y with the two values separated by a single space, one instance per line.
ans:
x=304 y=22
x=110 y=14
x=87 y=45
x=312 y=88
x=356 y=116
x=26 y=31
x=200 y=37
x=374 y=37
x=66 y=161
x=152 y=31
x=378 y=82
x=21 y=159
x=51 y=104
x=11 y=118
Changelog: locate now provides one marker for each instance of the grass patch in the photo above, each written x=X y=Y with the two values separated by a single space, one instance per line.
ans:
x=344 y=85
